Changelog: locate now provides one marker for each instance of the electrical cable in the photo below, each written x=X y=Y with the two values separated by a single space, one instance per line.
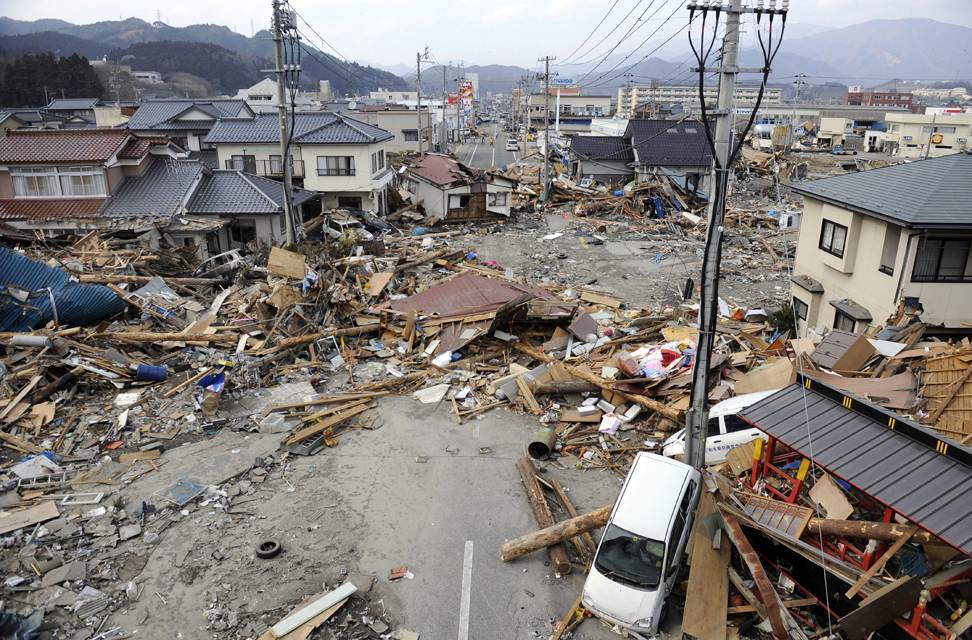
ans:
x=606 y=36
x=610 y=9
x=638 y=25
x=601 y=80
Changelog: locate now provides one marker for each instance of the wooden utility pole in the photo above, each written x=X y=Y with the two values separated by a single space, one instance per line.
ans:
x=546 y=126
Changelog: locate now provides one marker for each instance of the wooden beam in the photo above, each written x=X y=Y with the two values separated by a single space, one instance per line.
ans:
x=307 y=432
x=949 y=395
x=770 y=599
x=883 y=560
x=541 y=511
x=513 y=549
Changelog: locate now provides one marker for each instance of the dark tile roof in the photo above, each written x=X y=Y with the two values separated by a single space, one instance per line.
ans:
x=601 y=148
x=49 y=209
x=68 y=104
x=924 y=477
x=158 y=115
x=209 y=157
x=926 y=193
x=158 y=193
x=437 y=168
x=669 y=143
x=61 y=145
x=229 y=192
x=310 y=128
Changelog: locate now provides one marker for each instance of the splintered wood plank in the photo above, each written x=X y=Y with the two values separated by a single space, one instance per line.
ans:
x=708 y=583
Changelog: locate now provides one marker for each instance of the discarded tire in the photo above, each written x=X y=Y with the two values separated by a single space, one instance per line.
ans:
x=268 y=549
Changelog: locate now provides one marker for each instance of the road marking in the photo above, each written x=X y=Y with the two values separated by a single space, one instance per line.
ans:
x=469 y=162
x=492 y=162
x=466 y=589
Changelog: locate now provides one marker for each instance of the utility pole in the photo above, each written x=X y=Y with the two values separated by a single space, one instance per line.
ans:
x=698 y=413
x=443 y=140
x=931 y=134
x=282 y=20
x=798 y=83
x=546 y=126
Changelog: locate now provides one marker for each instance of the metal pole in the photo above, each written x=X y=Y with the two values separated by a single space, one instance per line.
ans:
x=698 y=414
x=443 y=140
x=930 y=135
x=546 y=125
x=282 y=112
x=418 y=94
x=557 y=115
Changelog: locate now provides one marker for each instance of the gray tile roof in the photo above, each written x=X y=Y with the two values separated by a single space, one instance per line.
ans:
x=232 y=192
x=669 y=143
x=158 y=193
x=73 y=103
x=926 y=193
x=601 y=148
x=310 y=128
x=156 y=115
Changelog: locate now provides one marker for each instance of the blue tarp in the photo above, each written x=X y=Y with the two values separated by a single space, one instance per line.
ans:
x=28 y=287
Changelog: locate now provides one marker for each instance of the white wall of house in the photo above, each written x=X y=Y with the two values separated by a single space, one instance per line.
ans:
x=435 y=200
x=910 y=134
x=603 y=169
x=875 y=271
x=403 y=125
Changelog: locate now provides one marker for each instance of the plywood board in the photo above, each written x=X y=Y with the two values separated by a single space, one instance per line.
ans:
x=943 y=384
x=775 y=373
x=831 y=499
x=378 y=282
x=708 y=582
x=31 y=515
x=286 y=263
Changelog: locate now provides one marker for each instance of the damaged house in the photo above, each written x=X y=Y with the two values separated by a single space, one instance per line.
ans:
x=606 y=159
x=450 y=191
x=73 y=181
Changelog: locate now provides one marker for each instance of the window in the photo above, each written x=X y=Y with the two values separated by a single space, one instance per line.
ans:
x=889 y=254
x=713 y=428
x=735 y=423
x=58 y=182
x=374 y=163
x=833 y=238
x=381 y=160
x=942 y=260
x=243 y=163
x=497 y=199
x=843 y=322
x=629 y=558
x=349 y=202
x=459 y=201
x=944 y=129
x=677 y=528
x=335 y=165
x=800 y=308
x=276 y=165
x=411 y=135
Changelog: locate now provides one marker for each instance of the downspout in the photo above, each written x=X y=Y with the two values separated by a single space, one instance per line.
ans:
x=904 y=265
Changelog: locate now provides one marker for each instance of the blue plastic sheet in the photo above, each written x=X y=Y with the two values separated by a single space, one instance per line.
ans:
x=33 y=294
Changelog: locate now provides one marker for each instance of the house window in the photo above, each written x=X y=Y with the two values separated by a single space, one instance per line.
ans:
x=942 y=260
x=497 y=199
x=381 y=160
x=349 y=202
x=889 y=254
x=374 y=163
x=276 y=165
x=411 y=135
x=833 y=238
x=843 y=322
x=243 y=163
x=459 y=201
x=335 y=165
x=800 y=308
x=57 y=182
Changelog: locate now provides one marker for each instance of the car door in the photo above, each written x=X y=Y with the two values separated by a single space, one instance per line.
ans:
x=714 y=453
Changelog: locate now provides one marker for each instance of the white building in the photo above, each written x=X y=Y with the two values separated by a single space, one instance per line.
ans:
x=688 y=95
x=341 y=158
x=922 y=135
x=392 y=97
x=151 y=77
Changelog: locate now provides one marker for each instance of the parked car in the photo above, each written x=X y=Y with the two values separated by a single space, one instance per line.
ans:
x=643 y=544
x=221 y=264
x=724 y=431
x=512 y=144
x=340 y=225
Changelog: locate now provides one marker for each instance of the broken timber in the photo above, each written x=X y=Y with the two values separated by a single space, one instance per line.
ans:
x=513 y=549
x=541 y=511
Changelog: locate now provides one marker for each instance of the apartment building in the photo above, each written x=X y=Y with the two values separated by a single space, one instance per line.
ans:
x=879 y=99
x=630 y=97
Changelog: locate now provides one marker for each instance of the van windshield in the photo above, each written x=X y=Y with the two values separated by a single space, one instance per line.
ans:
x=629 y=558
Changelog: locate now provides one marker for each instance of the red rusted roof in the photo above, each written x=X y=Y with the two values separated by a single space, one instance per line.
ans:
x=138 y=147
x=49 y=209
x=468 y=294
x=60 y=145
x=437 y=169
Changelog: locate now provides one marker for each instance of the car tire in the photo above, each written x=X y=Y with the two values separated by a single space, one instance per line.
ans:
x=268 y=549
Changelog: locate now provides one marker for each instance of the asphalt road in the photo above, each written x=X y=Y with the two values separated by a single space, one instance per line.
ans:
x=484 y=155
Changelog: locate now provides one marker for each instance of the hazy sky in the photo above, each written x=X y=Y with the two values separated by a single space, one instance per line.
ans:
x=477 y=32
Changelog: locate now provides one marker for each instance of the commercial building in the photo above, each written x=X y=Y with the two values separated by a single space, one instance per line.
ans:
x=575 y=112
x=922 y=135
x=879 y=99
x=873 y=239
x=630 y=97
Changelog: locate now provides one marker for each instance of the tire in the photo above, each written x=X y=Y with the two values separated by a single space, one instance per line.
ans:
x=268 y=549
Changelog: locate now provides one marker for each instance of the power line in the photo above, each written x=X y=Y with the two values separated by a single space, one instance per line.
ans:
x=608 y=35
x=329 y=45
x=600 y=79
x=593 y=31
x=638 y=24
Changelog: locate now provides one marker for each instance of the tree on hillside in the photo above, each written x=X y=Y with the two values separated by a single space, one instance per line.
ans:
x=25 y=80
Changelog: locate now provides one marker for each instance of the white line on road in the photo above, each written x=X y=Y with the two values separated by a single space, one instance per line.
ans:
x=466 y=589
x=476 y=146
x=492 y=162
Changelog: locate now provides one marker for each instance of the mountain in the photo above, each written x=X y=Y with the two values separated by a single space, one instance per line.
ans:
x=60 y=44
x=225 y=70
x=256 y=51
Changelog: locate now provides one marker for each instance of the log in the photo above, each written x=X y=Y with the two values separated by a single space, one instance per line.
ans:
x=428 y=257
x=587 y=540
x=647 y=403
x=151 y=336
x=568 y=386
x=541 y=511
x=287 y=343
x=97 y=278
x=884 y=531
x=513 y=549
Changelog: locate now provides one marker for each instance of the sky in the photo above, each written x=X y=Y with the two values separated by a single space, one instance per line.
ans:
x=388 y=33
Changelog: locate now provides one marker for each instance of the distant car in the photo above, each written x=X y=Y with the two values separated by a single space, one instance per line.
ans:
x=641 y=550
x=342 y=225
x=724 y=431
x=512 y=144
x=221 y=264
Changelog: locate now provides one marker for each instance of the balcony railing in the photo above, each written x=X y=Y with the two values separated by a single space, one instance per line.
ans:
x=269 y=168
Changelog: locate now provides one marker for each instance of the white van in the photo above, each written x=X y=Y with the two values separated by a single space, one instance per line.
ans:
x=512 y=144
x=724 y=431
x=641 y=550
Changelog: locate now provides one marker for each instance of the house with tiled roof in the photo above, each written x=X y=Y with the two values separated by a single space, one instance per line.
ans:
x=341 y=158
x=872 y=240
x=450 y=191
x=607 y=159
x=186 y=122
x=59 y=178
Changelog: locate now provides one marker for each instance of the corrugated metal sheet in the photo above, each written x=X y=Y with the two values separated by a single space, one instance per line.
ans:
x=76 y=304
x=922 y=476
